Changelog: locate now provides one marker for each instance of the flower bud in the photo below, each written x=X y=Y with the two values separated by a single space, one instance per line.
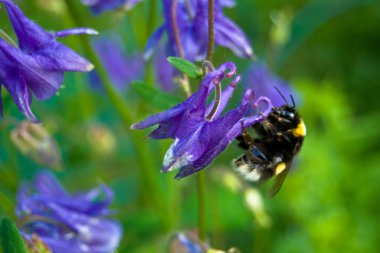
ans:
x=101 y=139
x=35 y=142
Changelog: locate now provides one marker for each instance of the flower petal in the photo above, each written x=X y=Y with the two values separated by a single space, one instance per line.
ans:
x=58 y=57
x=42 y=83
x=153 y=42
x=263 y=82
x=75 y=31
x=48 y=185
x=31 y=37
x=228 y=34
x=18 y=89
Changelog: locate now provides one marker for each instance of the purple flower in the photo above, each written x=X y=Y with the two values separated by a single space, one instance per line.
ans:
x=263 y=82
x=192 y=22
x=74 y=223
x=200 y=132
x=99 y=6
x=38 y=64
x=121 y=68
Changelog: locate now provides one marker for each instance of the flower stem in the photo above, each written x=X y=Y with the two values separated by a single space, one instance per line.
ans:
x=211 y=35
x=185 y=80
x=176 y=30
x=142 y=150
x=151 y=18
x=201 y=182
x=201 y=187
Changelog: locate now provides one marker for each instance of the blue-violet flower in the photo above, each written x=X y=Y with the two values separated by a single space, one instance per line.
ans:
x=191 y=17
x=121 y=67
x=74 y=223
x=263 y=82
x=199 y=130
x=38 y=64
x=99 y=6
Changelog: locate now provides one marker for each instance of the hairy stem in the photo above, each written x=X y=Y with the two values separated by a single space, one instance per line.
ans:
x=184 y=80
x=176 y=30
x=211 y=35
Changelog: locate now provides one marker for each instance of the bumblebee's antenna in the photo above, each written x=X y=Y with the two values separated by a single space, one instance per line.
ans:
x=282 y=95
x=294 y=104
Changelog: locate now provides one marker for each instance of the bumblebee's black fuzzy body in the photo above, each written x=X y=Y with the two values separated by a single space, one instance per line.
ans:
x=270 y=153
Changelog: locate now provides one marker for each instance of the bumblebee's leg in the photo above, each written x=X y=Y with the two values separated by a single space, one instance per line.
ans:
x=246 y=137
x=281 y=119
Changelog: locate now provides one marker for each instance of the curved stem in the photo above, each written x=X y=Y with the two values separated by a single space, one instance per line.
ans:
x=211 y=35
x=218 y=93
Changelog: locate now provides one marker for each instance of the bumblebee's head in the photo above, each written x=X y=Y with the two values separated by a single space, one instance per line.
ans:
x=286 y=112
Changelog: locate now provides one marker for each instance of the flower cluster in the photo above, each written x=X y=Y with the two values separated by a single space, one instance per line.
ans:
x=99 y=6
x=37 y=65
x=66 y=222
x=199 y=130
x=191 y=18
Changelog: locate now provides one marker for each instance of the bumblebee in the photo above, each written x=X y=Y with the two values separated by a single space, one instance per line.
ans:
x=270 y=153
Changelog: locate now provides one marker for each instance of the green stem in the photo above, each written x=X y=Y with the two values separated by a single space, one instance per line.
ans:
x=152 y=191
x=201 y=185
x=151 y=18
x=201 y=182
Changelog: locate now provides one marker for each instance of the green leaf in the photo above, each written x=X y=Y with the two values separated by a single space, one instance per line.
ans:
x=10 y=239
x=186 y=67
x=154 y=96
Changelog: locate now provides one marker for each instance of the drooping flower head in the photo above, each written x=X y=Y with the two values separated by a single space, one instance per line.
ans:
x=99 y=6
x=263 y=82
x=38 y=64
x=201 y=131
x=121 y=67
x=74 y=223
x=192 y=20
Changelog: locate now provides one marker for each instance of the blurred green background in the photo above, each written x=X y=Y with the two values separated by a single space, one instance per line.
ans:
x=328 y=51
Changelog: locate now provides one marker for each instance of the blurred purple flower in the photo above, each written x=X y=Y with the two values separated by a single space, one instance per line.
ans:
x=99 y=6
x=164 y=71
x=121 y=68
x=65 y=222
x=262 y=81
x=38 y=64
x=192 y=21
x=199 y=130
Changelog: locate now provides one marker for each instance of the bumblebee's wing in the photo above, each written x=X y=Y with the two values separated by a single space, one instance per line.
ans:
x=279 y=180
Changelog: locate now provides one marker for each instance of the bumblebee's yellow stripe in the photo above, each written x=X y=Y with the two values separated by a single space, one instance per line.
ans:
x=280 y=168
x=300 y=130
